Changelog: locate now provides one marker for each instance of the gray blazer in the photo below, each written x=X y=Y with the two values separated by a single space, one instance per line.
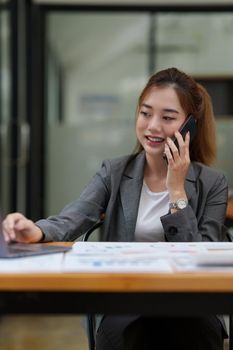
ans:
x=115 y=192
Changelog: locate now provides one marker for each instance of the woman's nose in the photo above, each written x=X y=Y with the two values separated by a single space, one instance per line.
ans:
x=154 y=124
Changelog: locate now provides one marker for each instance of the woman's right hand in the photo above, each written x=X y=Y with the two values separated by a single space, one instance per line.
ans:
x=16 y=227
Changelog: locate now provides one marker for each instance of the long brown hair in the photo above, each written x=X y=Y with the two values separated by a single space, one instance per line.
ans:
x=195 y=100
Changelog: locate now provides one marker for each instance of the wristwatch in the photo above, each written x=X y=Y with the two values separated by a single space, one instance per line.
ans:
x=179 y=204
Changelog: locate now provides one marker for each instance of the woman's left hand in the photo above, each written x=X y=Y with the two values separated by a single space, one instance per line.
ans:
x=178 y=164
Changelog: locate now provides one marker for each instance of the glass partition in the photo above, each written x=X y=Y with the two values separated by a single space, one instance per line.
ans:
x=97 y=65
x=198 y=43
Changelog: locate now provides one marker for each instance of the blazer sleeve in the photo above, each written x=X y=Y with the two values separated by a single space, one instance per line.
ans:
x=79 y=216
x=184 y=226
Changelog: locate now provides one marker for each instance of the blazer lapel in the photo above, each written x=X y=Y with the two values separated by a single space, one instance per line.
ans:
x=130 y=191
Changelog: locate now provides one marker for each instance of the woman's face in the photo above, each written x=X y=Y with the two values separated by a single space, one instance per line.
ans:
x=160 y=115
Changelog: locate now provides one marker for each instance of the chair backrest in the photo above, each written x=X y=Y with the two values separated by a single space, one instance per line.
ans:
x=91 y=230
x=91 y=331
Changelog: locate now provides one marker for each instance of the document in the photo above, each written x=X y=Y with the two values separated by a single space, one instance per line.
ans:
x=115 y=257
x=148 y=257
x=132 y=248
x=128 y=257
x=214 y=256
x=35 y=264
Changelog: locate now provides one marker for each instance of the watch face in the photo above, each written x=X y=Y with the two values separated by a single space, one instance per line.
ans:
x=181 y=203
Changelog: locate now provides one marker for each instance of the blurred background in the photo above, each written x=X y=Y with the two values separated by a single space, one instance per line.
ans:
x=70 y=76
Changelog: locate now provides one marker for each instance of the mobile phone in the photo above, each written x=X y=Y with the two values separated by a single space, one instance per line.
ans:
x=188 y=125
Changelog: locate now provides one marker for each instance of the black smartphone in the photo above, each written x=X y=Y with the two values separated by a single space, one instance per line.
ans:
x=188 y=125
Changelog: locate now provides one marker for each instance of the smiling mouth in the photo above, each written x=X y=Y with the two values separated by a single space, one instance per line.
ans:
x=155 y=139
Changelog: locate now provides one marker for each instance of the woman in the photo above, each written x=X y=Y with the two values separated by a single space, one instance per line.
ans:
x=162 y=192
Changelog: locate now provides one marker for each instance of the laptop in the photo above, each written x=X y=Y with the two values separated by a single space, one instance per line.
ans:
x=17 y=250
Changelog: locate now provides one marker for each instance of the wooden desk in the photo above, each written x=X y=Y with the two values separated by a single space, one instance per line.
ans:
x=202 y=282
x=149 y=293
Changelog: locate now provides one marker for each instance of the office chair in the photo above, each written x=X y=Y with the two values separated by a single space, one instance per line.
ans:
x=91 y=318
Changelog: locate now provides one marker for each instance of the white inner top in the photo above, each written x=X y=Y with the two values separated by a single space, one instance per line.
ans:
x=152 y=206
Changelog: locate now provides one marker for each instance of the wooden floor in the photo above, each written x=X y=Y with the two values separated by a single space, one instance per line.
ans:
x=43 y=333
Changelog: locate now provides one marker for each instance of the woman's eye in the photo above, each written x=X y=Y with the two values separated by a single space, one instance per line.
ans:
x=168 y=118
x=145 y=114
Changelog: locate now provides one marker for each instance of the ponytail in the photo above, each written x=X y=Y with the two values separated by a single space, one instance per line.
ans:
x=203 y=148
